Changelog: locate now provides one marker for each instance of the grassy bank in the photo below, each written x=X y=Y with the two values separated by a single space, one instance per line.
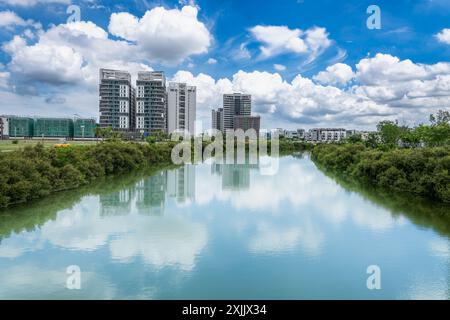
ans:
x=417 y=171
x=37 y=171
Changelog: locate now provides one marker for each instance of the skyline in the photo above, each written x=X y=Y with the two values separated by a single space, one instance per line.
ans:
x=303 y=66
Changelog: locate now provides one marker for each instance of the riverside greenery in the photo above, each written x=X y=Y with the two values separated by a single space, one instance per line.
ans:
x=38 y=171
x=396 y=158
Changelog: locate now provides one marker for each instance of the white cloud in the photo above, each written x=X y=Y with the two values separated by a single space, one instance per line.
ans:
x=279 y=67
x=444 y=36
x=9 y=18
x=30 y=3
x=167 y=36
x=336 y=74
x=211 y=61
x=280 y=39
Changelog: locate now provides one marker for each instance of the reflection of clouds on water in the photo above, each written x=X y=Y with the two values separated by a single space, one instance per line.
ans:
x=14 y=247
x=426 y=289
x=281 y=239
x=162 y=242
x=440 y=248
x=33 y=282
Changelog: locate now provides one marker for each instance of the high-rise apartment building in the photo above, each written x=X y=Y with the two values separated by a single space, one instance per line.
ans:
x=181 y=107
x=117 y=100
x=217 y=119
x=151 y=102
x=247 y=122
x=235 y=104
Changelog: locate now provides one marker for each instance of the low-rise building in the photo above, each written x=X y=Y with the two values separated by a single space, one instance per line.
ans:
x=4 y=128
x=247 y=122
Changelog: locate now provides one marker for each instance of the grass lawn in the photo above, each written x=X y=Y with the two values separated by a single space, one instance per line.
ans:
x=7 y=145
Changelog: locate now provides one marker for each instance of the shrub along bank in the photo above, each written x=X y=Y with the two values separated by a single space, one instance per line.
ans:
x=420 y=171
x=35 y=172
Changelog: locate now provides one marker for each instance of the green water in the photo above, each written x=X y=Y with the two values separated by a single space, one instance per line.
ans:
x=212 y=231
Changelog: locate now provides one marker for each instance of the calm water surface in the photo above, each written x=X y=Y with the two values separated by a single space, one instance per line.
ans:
x=213 y=231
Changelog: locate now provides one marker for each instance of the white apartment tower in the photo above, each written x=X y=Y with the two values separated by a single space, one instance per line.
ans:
x=181 y=107
x=151 y=102
x=117 y=100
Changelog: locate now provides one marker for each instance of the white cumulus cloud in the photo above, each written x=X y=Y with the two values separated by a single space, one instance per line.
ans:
x=444 y=36
x=167 y=36
x=339 y=73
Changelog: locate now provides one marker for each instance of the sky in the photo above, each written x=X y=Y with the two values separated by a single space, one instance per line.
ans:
x=306 y=63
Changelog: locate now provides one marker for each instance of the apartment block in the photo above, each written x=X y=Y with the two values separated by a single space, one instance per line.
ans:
x=247 y=122
x=151 y=102
x=181 y=107
x=235 y=104
x=217 y=119
x=117 y=100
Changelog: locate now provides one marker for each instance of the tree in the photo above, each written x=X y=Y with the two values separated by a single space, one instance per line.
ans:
x=390 y=132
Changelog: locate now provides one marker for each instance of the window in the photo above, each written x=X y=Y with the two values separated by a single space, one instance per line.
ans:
x=140 y=107
x=140 y=122
x=140 y=91
x=123 y=106
x=123 y=122
x=123 y=91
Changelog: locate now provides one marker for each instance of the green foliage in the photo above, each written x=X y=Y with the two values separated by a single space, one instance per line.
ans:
x=419 y=171
x=15 y=142
x=35 y=172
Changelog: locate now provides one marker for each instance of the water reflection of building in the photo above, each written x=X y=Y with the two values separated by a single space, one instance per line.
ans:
x=151 y=194
x=234 y=176
x=181 y=183
x=116 y=203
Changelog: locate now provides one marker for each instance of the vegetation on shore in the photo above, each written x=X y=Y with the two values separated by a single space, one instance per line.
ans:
x=35 y=172
x=393 y=161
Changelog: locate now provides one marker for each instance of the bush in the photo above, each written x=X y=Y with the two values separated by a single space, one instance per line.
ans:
x=35 y=172
x=423 y=171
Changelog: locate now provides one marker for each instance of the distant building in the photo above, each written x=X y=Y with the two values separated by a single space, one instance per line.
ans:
x=326 y=134
x=235 y=104
x=151 y=102
x=217 y=119
x=53 y=128
x=247 y=122
x=301 y=133
x=291 y=134
x=84 y=128
x=21 y=127
x=117 y=100
x=4 y=128
x=181 y=107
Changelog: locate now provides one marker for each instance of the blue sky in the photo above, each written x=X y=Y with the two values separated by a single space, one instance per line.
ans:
x=306 y=63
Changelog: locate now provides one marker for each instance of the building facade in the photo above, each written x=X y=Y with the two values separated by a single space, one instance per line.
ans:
x=151 y=102
x=4 y=128
x=181 y=107
x=117 y=100
x=235 y=104
x=217 y=119
x=247 y=122
x=326 y=135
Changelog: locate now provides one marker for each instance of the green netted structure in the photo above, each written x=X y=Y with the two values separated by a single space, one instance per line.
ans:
x=84 y=128
x=21 y=127
x=53 y=128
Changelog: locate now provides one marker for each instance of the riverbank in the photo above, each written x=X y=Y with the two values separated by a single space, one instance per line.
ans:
x=35 y=172
x=38 y=171
x=416 y=171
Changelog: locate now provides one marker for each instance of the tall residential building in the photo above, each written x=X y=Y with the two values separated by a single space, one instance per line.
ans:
x=235 y=104
x=217 y=119
x=151 y=102
x=181 y=107
x=117 y=100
